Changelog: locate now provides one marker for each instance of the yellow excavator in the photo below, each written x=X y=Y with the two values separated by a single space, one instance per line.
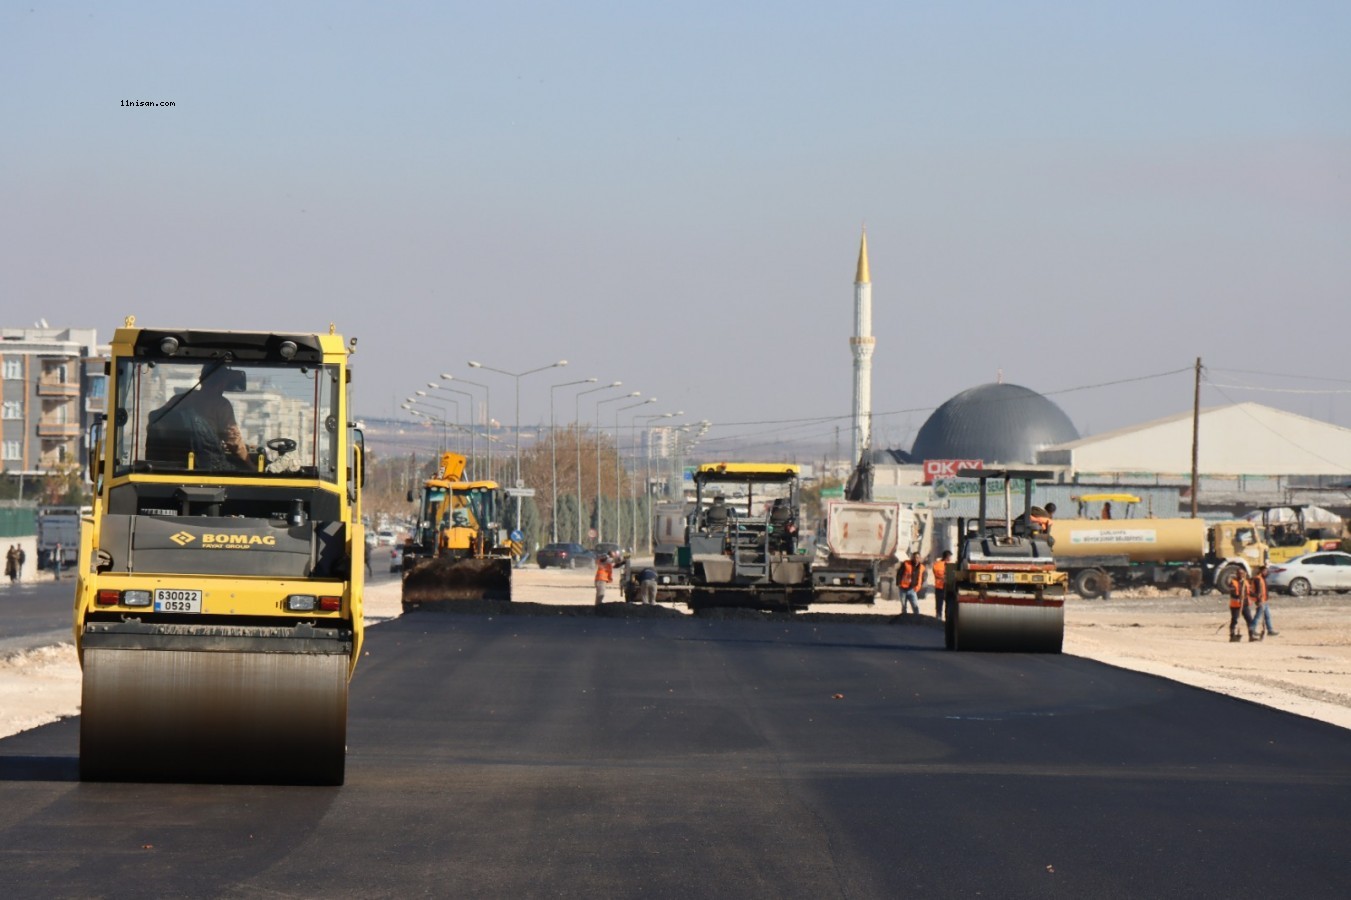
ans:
x=218 y=597
x=457 y=550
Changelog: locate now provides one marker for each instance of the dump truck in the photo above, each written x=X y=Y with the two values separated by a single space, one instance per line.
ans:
x=59 y=527
x=218 y=603
x=860 y=544
x=457 y=549
x=1101 y=554
x=1004 y=592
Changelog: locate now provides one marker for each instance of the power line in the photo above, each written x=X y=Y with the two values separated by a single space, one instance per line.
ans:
x=1282 y=375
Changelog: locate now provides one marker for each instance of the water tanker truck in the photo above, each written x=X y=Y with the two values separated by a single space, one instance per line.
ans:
x=1101 y=554
x=218 y=596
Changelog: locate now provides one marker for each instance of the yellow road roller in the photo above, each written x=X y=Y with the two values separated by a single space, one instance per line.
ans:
x=218 y=603
x=1004 y=592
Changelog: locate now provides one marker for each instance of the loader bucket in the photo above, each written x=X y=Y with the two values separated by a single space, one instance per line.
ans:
x=443 y=579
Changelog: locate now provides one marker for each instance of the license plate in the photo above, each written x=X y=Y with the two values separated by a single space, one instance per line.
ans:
x=1006 y=577
x=177 y=601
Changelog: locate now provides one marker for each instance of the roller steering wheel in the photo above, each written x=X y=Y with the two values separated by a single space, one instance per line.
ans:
x=281 y=446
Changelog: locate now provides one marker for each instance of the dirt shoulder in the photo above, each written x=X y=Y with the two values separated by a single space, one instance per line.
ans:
x=1305 y=669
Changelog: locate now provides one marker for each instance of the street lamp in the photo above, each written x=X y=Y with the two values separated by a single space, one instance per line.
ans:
x=647 y=466
x=599 y=403
x=683 y=444
x=436 y=386
x=577 y=443
x=517 y=376
x=553 y=452
x=430 y=418
x=487 y=414
x=425 y=402
x=619 y=520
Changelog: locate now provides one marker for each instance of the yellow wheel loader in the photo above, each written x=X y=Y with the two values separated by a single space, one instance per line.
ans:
x=218 y=603
x=457 y=550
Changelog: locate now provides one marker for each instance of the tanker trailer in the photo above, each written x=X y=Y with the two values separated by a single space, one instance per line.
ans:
x=1004 y=592
x=219 y=582
x=1100 y=554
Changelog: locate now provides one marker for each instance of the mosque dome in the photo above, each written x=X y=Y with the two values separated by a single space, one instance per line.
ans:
x=997 y=423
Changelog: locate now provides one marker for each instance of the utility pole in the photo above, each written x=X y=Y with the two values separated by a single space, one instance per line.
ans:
x=1196 y=436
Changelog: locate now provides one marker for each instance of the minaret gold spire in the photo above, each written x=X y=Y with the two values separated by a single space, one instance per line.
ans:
x=862 y=345
x=862 y=276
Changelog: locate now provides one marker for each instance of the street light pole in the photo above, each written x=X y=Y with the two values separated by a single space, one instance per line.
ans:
x=430 y=418
x=487 y=414
x=600 y=519
x=517 y=376
x=472 y=432
x=647 y=469
x=577 y=443
x=423 y=395
x=553 y=453
x=619 y=520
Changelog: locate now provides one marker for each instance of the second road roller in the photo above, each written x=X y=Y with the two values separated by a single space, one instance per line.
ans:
x=218 y=601
x=1004 y=592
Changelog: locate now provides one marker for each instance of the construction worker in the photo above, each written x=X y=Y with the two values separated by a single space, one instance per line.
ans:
x=1239 y=597
x=909 y=580
x=605 y=572
x=647 y=586
x=941 y=581
x=1261 y=616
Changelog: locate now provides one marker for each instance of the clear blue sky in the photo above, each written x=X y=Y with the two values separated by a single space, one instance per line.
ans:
x=671 y=195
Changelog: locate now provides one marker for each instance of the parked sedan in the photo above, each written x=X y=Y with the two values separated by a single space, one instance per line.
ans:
x=618 y=555
x=564 y=556
x=1301 y=576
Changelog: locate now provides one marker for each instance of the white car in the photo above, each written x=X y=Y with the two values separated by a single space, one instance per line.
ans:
x=1327 y=570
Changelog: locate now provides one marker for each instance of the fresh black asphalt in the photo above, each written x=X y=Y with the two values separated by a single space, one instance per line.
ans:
x=552 y=755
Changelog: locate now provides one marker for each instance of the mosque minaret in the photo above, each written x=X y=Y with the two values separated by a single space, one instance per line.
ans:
x=862 y=346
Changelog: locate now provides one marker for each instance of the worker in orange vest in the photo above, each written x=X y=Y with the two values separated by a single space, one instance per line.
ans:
x=605 y=572
x=1261 y=614
x=941 y=581
x=1239 y=597
x=909 y=580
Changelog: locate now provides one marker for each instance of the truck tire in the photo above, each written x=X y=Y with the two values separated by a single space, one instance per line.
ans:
x=1092 y=584
x=1224 y=578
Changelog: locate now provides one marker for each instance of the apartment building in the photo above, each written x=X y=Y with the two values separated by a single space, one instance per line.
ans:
x=52 y=383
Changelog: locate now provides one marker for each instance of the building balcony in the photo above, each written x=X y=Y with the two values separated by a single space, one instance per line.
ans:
x=58 y=430
x=58 y=389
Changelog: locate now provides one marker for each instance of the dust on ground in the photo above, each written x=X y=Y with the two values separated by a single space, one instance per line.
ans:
x=1305 y=668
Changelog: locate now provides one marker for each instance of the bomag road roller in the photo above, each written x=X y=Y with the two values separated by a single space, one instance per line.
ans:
x=218 y=604
x=458 y=550
x=1004 y=591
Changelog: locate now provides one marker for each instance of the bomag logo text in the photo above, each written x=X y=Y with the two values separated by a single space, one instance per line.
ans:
x=237 y=541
